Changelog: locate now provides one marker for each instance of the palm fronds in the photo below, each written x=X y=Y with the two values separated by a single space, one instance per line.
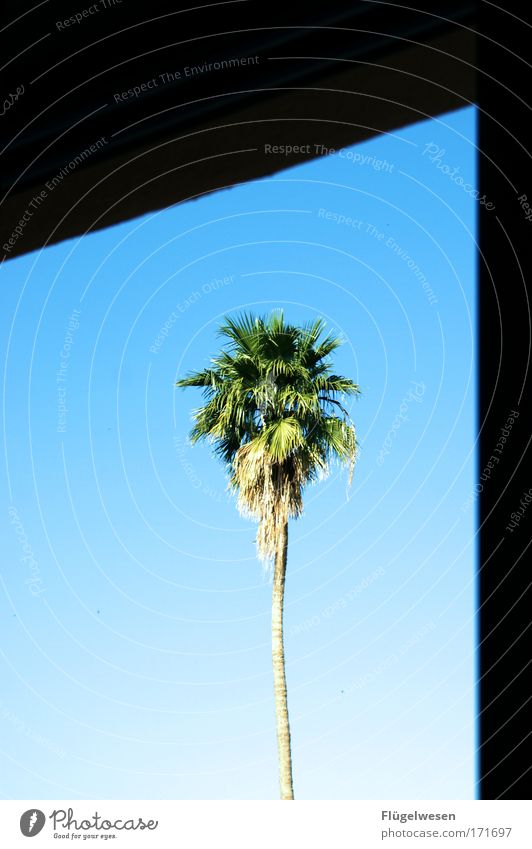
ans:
x=274 y=415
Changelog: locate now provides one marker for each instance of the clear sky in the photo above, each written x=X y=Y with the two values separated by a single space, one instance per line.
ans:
x=135 y=646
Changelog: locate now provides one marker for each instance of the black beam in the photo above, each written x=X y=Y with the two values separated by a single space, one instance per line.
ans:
x=141 y=113
x=505 y=479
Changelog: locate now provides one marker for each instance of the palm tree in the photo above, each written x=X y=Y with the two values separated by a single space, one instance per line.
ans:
x=273 y=413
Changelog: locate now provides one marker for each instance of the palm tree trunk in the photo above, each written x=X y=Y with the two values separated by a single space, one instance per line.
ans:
x=279 y=678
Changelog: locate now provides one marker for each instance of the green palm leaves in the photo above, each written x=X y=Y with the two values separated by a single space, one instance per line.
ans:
x=275 y=412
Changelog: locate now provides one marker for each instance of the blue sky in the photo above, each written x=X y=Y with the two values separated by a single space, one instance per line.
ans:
x=135 y=618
